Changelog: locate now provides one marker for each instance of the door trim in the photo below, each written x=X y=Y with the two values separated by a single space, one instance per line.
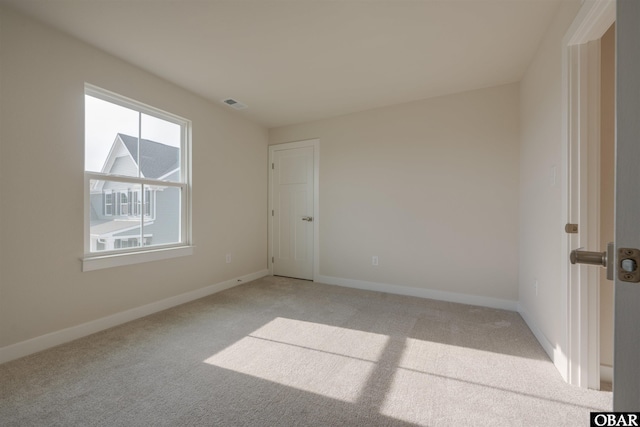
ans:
x=315 y=143
x=580 y=189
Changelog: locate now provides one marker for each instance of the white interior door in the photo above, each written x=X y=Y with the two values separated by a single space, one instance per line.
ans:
x=292 y=181
x=583 y=195
x=626 y=347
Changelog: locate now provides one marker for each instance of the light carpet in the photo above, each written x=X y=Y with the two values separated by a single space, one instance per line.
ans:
x=284 y=352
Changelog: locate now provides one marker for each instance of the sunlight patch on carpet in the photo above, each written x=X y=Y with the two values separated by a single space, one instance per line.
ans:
x=468 y=379
x=327 y=360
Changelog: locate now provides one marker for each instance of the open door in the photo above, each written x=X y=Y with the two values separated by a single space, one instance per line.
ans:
x=624 y=257
x=626 y=358
x=584 y=195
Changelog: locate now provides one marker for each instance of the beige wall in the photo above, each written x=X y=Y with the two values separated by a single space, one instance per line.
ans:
x=430 y=187
x=541 y=222
x=607 y=173
x=42 y=289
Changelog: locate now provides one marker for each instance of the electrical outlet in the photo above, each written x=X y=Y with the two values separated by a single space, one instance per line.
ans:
x=374 y=260
x=228 y=258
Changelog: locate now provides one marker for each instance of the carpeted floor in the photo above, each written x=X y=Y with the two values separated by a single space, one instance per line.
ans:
x=283 y=352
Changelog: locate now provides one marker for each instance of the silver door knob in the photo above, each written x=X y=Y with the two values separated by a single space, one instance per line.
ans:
x=603 y=259
x=586 y=257
x=307 y=218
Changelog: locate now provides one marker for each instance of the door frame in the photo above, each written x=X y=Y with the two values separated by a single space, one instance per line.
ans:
x=315 y=143
x=581 y=189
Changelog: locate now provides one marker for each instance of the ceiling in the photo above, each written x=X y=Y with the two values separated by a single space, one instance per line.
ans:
x=294 y=61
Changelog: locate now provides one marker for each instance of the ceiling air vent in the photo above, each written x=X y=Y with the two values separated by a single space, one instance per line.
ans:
x=234 y=104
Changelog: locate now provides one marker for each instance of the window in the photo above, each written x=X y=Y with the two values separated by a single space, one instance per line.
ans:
x=108 y=203
x=136 y=182
x=124 y=205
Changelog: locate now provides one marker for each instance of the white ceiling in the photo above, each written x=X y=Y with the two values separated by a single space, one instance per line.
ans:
x=300 y=60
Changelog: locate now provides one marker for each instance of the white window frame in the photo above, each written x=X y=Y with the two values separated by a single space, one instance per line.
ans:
x=126 y=256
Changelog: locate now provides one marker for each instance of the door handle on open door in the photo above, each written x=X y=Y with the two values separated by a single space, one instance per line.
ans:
x=307 y=218
x=603 y=259
x=587 y=257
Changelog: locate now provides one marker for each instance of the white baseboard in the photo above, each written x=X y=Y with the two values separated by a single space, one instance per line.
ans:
x=606 y=373
x=420 y=292
x=558 y=358
x=53 y=339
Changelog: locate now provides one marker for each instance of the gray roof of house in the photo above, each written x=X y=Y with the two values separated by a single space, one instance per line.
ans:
x=156 y=159
x=113 y=226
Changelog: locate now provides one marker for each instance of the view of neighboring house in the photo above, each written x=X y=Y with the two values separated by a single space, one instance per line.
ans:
x=129 y=214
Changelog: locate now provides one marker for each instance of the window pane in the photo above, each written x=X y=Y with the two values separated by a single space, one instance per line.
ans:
x=160 y=149
x=162 y=226
x=111 y=138
x=112 y=223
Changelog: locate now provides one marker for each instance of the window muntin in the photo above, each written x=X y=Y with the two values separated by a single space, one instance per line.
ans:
x=136 y=172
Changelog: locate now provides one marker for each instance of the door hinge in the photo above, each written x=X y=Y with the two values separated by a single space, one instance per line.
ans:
x=272 y=261
x=273 y=165
x=272 y=212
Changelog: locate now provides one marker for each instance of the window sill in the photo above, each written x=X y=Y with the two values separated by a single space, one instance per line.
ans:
x=116 y=260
